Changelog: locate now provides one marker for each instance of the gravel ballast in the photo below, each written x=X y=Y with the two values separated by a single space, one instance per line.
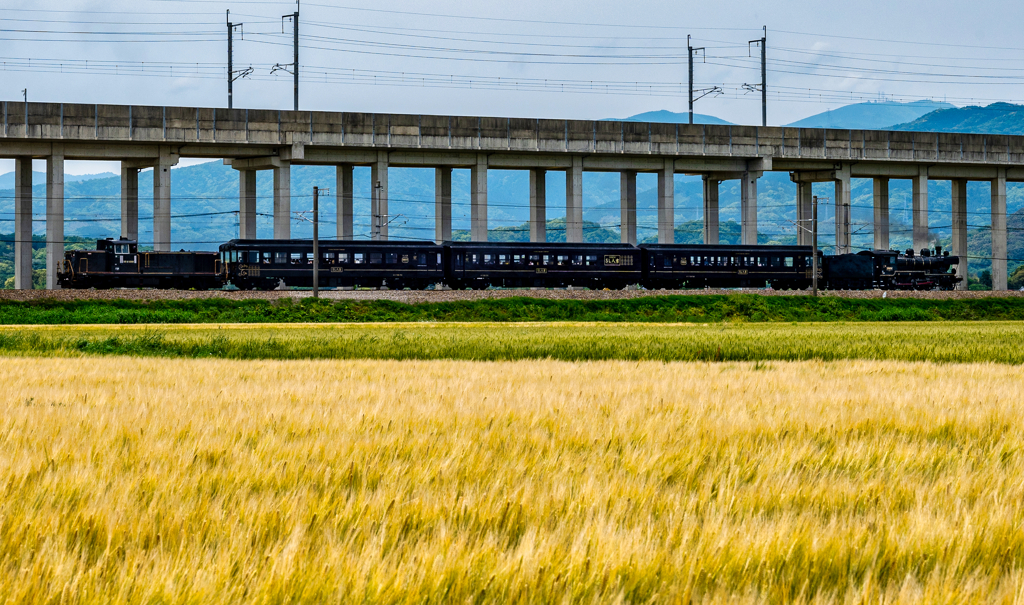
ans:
x=420 y=296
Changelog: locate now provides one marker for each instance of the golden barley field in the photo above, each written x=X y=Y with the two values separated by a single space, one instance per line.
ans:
x=136 y=480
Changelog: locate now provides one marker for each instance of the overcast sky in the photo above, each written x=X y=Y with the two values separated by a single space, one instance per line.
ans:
x=528 y=58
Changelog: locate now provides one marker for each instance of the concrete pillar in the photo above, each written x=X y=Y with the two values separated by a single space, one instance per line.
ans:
x=959 y=187
x=23 y=224
x=246 y=204
x=478 y=199
x=920 y=213
x=574 y=201
x=283 y=200
x=379 y=217
x=627 y=215
x=443 y=204
x=667 y=203
x=804 y=214
x=999 y=275
x=162 y=204
x=711 y=237
x=881 y=207
x=538 y=205
x=129 y=202
x=748 y=208
x=343 y=196
x=54 y=217
x=842 y=212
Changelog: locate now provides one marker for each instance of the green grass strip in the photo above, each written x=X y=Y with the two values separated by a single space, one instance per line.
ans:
x=997 y=342
x=664 y=309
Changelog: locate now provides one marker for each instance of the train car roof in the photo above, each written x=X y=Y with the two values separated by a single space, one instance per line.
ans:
x=292 y=243
x=539 y=245
x=706 y=248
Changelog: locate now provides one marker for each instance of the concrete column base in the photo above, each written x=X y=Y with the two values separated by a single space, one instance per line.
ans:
x=246 y=204
x=538 y=205
x=478 y=199
x=959 y=187
x=23 y=224
x=999 y=274
x=574 y=202
x=283 y=200
x=54 y=219
x=443 y=204
x=667 y=203
x=379 y=217
x=129 y=202
x=922 y=239
x=162 y=205
x=881 y=211
x=842 y=212
x=343 y=194
x=627 y=211
x=711 y=211
x=748 y=208
x=804 y=214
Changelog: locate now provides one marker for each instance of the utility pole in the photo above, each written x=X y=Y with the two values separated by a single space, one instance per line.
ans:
x=316 y=239
x=691 y=50
x=763 y=87
x=232 y=74
x=715 y=90
x=294 y=67
x=814 y=242
x=375 y=210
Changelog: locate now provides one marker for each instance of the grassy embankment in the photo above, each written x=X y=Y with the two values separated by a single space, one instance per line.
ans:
x=454 y=482
x=667 y=309
x=948 y=342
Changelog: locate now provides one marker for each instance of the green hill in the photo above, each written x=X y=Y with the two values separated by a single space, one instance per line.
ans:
x=998 y=118
x=870 y=116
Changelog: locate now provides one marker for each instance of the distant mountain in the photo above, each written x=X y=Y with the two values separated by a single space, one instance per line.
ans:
x=871 y=116
x=998 y=118
x=667 y=117
x=7 y=179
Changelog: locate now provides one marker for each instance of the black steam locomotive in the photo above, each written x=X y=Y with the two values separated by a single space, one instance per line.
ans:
x=269 y=264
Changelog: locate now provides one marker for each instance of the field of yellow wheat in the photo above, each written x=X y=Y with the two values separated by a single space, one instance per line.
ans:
x=140 y=480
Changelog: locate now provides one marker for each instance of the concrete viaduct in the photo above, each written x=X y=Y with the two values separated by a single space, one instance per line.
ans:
x=252 y=140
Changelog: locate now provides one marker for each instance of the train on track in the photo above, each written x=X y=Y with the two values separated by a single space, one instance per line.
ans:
x=271 y=264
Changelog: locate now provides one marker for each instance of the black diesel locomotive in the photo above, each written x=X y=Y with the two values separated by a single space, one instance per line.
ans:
x=268 y=264
x=119 y=264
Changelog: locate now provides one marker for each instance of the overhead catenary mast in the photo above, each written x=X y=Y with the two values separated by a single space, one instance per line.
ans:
x=715 y=90
x=294 y=67
x=232 y=74
x=763 y=86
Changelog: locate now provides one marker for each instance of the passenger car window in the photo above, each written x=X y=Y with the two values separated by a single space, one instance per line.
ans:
x=376 y=258
x=789 y=261
x=392 y=258
x=359 y=258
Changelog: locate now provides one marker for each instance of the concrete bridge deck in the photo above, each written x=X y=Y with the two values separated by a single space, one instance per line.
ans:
x=252 y=140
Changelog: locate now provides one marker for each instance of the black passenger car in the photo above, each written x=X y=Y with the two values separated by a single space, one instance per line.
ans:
x=676 y=266
x=265 y=264
x=119 y=264
x=541 y=265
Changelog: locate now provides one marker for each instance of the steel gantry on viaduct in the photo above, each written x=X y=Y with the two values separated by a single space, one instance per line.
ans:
x=253 y=140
